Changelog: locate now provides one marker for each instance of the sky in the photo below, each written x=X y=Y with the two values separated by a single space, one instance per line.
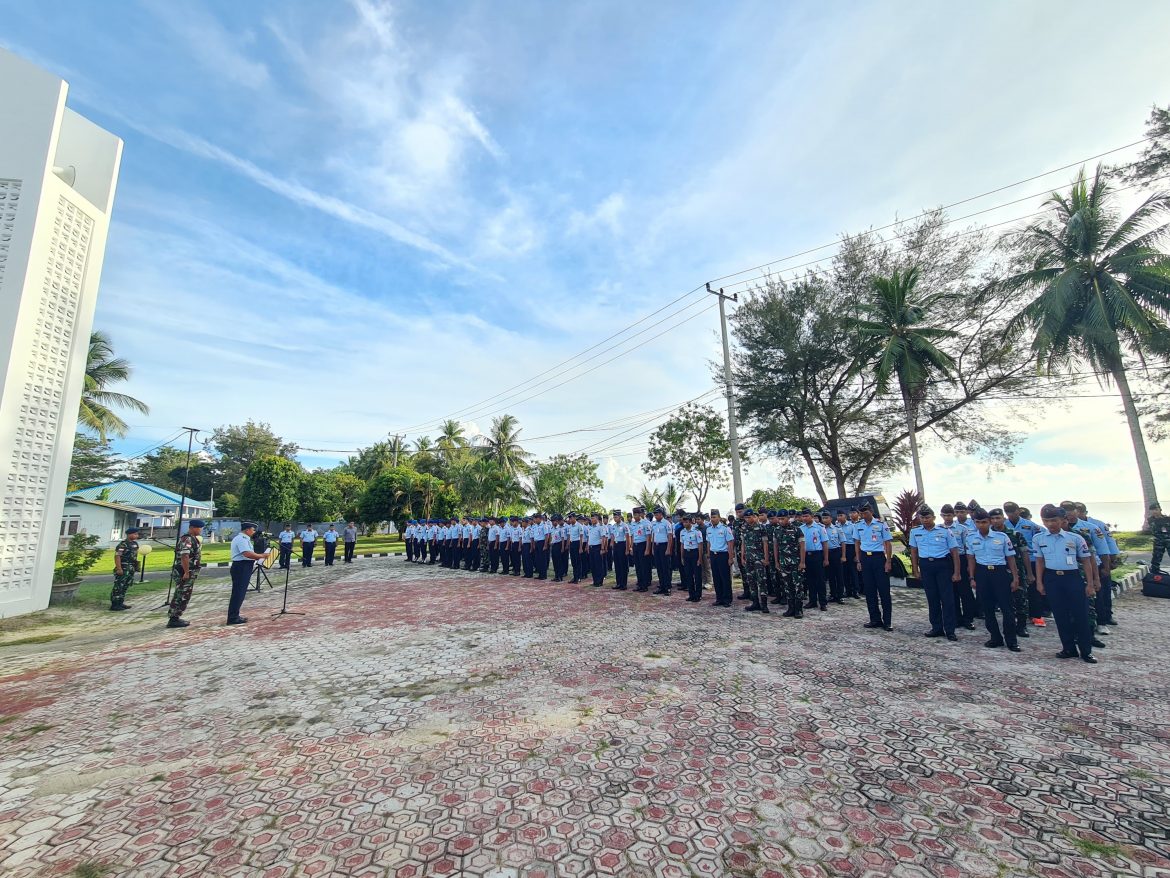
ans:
x=351 y=218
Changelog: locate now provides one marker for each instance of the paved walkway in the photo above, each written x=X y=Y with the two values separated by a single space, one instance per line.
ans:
x=420 y=722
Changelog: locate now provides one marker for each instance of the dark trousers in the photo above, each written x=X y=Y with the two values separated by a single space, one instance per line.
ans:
x=835 y=575
x=473 y=555
x=526 y=559
x=494 y=557
x=307 y=553
x=940 y=592
x=1105 y=601
x=965 y=607
x=349 y=547
x=641 y=567
x=434 y=546
x=330 y=553
x=597 y=564
x=285 y=555
x=814 y=577
x=575 y=559
x=1070 y=610
x=558 y=556
x=662 y=565
x=692 y=574
x=506 y=557
x=516 y=558
x=621 y=567
x=409 y=541
x=850 y=573
x=541 y=560
x=241 y=576
x=994 y=587
x=721 y=577
x=876 y=583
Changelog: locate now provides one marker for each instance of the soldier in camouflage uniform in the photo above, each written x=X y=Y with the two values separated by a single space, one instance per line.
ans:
x=1023 y=566
x=771 y=580
x=753 y=558
x=188 y=560
x=791 y=583
x=125 y=566
x=736 y=523
x=1160 y=528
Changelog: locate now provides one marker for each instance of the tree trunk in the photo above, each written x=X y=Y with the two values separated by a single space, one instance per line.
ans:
x=910 y=428
x=1145 y=472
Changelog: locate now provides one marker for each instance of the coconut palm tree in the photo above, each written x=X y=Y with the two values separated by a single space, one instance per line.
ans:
x=672 y=497
x=102 y=371
x=646 y=497
x=503 y=446
x=1101 y=290
x=903 y=345
x=451 y=440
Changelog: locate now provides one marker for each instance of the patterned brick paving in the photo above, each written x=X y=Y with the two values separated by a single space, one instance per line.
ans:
x=420 y=722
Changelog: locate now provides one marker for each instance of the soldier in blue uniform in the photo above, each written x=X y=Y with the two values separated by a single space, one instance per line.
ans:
x=595 y=543
x=849 y=568
x=720 y=549
x=516 y=547
x=934 y=560
x=814 y=560
x=991 y=566
x=639 y=534
x=662 y=541
x=875 y=548
x=1063 y=569
x=691 y=542
x=541 y=541
x=836 y=541
x=620 y=549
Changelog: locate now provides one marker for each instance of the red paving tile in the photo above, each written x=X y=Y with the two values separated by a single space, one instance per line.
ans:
x=419 y=722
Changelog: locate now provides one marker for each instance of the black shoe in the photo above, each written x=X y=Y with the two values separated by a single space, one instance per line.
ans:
x=799 y=614
x=765 y=611
x=647 y=588
x=1014 y=647
x=933 y=634
x=1097 y=643
x=811 y=605
x=824 y=607
x=839 y=600
x=952 y=637
x=789 y=613
x=752 y=608
x=1023 y=633
x=1088 y=659
x=970 y=626
x=175 y=622
x=618 y=588
x=1063 y=654
x=993 y=644
x=116 y=606
x=888 y=627
x=873 y=625
x=239 y=620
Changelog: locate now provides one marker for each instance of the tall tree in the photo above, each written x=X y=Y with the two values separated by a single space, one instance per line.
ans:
x=236 y=446
x=102 y=371
x=692 y=447
x=93 y=463
x=900 y=338
x=349 y=490
x=452 y=440
x=1101 y=291
x=159 y=468
x=503 y=445
x=271 y=489
x=782 y=497
x=318 y=498
x=1155 y=159
x=564 y=483
x=803 y=398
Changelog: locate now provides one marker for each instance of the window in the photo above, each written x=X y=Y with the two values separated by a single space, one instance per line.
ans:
x=70 y=525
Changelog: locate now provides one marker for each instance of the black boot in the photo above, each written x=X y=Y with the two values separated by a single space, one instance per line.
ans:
x=176 y=622
x=117 y=604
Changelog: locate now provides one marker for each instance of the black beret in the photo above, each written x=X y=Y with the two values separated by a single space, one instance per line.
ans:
x=739 y=506
x=925 y=510
x=981 y=515
x=714 y=511
x=1051 y=510
x=195 y=522
x=806 y=511
x=995 y=512
x=947 y=508
x=960 y=505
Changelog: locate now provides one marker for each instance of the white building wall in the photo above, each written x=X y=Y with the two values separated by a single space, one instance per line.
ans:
x=52 y=243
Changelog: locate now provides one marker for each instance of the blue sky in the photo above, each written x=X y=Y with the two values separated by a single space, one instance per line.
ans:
x=380 y=213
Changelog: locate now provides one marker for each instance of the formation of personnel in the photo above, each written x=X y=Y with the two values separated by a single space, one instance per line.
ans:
x=994 y=565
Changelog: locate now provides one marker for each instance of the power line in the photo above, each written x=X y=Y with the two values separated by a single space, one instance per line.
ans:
x=943 y=207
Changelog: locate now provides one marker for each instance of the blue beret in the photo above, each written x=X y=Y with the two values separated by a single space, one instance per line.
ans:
x=196 y=522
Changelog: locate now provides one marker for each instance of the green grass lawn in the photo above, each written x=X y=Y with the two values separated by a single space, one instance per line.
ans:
x=1133 y=541
x=161 y=554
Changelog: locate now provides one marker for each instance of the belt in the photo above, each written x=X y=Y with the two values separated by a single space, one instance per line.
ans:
x=718 y=551
x=990 y=566
x=864 y=552
x=940 y=558
x=1060 y=572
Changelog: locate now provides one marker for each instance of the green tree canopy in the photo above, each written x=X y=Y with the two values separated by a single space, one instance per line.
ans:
x=159 y=466
x=564 y=483
x=692 y=448
x=271 y=489
x=781 y=497
x=93 y=463
x=237 y=446
x=318 y=497
x=350 y=489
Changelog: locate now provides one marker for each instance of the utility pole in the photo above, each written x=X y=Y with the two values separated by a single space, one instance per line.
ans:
x=191 y=431
x=729 y=392
x=397 y=445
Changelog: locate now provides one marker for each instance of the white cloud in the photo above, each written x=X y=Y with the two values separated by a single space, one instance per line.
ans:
x=606 y=216
x=219 y=51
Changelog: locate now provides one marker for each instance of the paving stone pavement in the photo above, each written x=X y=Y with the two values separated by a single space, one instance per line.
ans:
x=421 y=722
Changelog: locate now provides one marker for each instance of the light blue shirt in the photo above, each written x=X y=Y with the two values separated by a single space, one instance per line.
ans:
x=331 y=536
x=1094 y=536
x=661 y=531
x=1113 y=549
x=308 y=536
x=576 y=531
x=719 y=537
x=1060 y=551
x=473 y=531
x=690 y=539
x=960 y=532
x=814 y=537
x=934 y=543
x=618 y=532
x=846 y=532
x=640 y=531
x=493 y=532
x=241 y=543
x=286 y=537
x=834 y=535
x=596 y=533
x=993 y=549
x=872 y=537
